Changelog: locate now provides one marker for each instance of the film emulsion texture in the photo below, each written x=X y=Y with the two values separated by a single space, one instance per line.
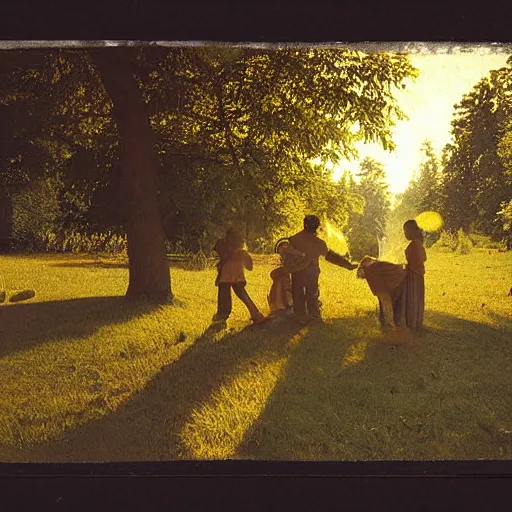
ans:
x=274 y=252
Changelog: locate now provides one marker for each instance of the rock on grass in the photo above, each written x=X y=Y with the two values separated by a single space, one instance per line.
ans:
x=23 y=295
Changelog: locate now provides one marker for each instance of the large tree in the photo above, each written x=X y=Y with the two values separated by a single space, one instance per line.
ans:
x=247 y=124
x=149 y=268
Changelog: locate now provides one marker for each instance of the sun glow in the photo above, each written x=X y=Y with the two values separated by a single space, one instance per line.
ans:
x=429 y=103
x=429 y=221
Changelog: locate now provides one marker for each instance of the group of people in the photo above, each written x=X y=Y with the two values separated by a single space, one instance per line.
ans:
x=400 y=289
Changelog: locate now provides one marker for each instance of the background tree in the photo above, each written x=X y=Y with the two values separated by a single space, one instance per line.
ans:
x=475 y=183
x=423 y=194
x=368 y=228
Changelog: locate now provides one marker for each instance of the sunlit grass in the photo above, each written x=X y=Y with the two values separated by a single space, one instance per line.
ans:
x=355 y=354
x=73 y=372
x=218 y=427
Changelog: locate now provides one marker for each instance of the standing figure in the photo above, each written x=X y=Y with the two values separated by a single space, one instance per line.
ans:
x=305 y=291
x=410 y=306
x=280 y=295
x=234 y=259
x=385 y=280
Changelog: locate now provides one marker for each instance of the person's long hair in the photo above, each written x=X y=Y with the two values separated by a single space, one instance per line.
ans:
x=415 y=232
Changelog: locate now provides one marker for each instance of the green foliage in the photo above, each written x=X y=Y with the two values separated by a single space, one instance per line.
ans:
x=506 y=215
x=477 y=177
x=427 y=186
x=81 y=243
x=235 y=129
x=35 y=213
x=484 y=241
x=505 y=218
x=248 y=126
x=446 y=241
x=464 y=244
x=368 y=227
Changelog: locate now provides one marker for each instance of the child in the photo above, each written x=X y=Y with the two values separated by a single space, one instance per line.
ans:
x=234 y=259
x=280 y=295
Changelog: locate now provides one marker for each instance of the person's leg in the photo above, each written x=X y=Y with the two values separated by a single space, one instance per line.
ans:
x=412 y=302
x=386 y=307
x=298 y=294
x=381 y=312
x=313 y=293
x=421 y=301
x=224 y=303
x=275 y=298
x=286 y=291
x=241 y=293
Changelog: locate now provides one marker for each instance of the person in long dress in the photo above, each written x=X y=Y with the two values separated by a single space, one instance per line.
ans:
x=410 y=306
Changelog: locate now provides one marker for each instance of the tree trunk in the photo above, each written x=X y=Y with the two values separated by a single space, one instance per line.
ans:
x=149 y=269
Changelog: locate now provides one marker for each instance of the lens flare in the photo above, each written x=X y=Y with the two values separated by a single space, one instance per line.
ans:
x=429 y=221
x=334 y=238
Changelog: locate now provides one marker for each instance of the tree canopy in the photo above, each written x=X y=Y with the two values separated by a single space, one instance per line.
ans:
x=239 y=135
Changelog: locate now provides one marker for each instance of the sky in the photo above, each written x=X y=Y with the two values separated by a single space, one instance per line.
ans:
x=429 y=103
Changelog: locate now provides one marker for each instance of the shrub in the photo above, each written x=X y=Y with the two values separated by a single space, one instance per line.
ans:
x=75 y=242
x=480 y=241
x=464 y=244
x=35 y=213
x=446 y=241
x=199 y=261
x=431 y=238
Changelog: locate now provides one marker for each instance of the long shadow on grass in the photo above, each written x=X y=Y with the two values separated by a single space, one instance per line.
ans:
x=148 y=426
x=23 y=326
x=347 y=392
x=384 y=396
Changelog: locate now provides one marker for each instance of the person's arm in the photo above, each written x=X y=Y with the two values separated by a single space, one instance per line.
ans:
x=339 y=260
x=248 y=263
x=409 y=254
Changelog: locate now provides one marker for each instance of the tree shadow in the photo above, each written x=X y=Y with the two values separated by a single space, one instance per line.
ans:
x=149 y=425
x=349 y=391
x=23 y=326
x=387 y=396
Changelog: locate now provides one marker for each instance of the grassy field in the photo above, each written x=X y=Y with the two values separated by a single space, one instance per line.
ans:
x=87 y=377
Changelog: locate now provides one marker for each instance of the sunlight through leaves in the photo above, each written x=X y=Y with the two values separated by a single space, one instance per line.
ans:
x=355 y=354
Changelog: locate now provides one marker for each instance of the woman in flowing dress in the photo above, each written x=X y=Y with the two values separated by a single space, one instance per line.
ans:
x=410 y=305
